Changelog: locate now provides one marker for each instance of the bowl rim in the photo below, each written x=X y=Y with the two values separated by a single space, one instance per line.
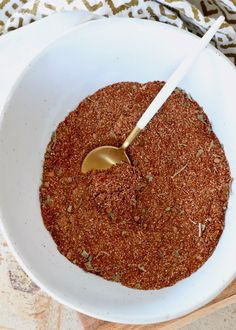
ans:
x=3 y=228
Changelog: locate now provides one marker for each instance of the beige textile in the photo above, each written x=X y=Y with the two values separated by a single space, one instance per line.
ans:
x=193 y=15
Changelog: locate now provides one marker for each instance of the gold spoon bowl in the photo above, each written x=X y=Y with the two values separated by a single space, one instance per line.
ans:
x=104 y=157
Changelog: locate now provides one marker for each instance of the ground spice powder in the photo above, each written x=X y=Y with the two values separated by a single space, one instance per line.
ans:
x=148 y=225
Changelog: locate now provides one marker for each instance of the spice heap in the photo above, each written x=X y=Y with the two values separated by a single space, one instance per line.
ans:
x=149 y=224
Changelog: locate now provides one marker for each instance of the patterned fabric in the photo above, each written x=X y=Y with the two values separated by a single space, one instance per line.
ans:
x=193 y=15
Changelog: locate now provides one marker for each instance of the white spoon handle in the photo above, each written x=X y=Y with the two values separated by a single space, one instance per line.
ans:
x=178 y=75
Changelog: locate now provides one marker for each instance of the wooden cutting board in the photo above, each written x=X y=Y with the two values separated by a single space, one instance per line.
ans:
x=227 y=297
x=24 y=306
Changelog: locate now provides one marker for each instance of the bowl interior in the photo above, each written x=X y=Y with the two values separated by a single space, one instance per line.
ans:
x=89 y=57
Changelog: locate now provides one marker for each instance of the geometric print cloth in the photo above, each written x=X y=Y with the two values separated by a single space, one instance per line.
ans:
x=193 y=15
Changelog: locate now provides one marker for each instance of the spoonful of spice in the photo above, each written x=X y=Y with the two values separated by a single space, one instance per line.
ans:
x=105 y=157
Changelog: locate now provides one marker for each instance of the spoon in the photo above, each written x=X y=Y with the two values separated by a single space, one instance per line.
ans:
x=104 y=157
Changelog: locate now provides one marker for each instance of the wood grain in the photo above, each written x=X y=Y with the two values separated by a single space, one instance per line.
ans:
x=227 y=297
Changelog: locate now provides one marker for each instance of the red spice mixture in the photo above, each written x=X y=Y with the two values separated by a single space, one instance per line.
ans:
x=148 y=225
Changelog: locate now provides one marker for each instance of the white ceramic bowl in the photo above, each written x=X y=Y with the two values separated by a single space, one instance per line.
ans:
x=91 y=56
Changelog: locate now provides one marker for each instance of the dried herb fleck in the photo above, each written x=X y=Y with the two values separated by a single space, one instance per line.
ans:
x=102 y=253
x=176 y=253
x=133 y=201
x=69 y=208
x=89 y=265
x=149 y=177
x=189 y=97
x=84 y=254
x=54 y=137
x=91 y=100
x=211 y=145
x=179 y=171
x=48 y=200
x=111 y=215
x=157 y=236
x=199 y=152
x=217 y=160
x=116 y=278
x=201 y=118
x=142 y=268
x=124 y=233
x=112 y=134
x=201 y=228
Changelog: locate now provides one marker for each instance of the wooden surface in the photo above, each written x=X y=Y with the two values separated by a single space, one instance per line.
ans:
x=24 y=306
x=226 y=298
